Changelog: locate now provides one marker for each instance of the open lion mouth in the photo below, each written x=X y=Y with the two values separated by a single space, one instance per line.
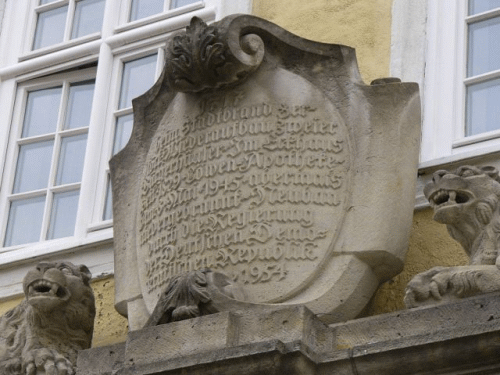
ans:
x=47 y=288
x=443 y=198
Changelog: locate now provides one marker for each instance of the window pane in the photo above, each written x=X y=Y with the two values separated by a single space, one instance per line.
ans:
x=63 y=215
x=25 y=221
x=480 y=6
x=122 y=132
x=483 y=110
x=181 y=3
x=50 y=27
x=42 y=109
x=138 y=76
x=108 y=204
x=42 y=2
x=484 y=47
x=88 y=18
x=79 y=105
x=70 y=164
x=33 y=166
x=145 y=8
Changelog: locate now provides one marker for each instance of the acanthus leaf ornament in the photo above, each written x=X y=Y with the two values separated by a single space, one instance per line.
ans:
x=200 y=58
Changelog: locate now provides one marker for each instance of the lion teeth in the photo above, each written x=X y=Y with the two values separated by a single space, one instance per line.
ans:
x=452 y=196
x=43 y=287
x=444 y=197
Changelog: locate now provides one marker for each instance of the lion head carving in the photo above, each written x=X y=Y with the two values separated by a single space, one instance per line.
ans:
x=467 y=201
x=55 y=320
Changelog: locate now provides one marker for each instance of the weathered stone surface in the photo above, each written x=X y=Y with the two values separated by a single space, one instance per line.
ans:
x=264 y=156
x=189 y=295
x=467 y=201
x=45 y=332
x=456 y=338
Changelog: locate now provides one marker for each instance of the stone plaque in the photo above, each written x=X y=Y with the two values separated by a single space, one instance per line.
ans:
x=263 y=156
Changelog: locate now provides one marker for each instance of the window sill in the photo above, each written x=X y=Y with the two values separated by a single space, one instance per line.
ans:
x=95 y=251
x=160 y=17
x=474 y=139
x=33 y=252
x=60 y=46
x=127 y=36
x=100 y=226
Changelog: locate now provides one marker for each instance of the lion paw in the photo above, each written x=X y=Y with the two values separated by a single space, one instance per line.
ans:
x=12 y=366
x=431 y=284
x=48 y=360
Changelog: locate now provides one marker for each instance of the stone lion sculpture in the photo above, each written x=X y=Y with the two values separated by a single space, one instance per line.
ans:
x=467 y=201
x=56 y=319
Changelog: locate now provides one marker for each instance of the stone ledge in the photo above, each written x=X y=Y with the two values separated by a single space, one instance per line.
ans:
x=456 y=338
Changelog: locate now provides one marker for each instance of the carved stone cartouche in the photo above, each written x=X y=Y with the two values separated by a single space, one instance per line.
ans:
x=467 y=201
x=256 y=155
x=55 y=321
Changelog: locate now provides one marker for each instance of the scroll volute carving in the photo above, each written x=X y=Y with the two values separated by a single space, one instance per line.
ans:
x=205 y=57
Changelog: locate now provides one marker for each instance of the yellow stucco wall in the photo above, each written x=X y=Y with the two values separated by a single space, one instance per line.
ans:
x=362 y=24
x=430 y=246
x=109 y=326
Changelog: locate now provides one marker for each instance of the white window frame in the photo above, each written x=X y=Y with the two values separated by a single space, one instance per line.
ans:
x=125 y=24
x=23 y=90
x=429 y=46
x=444 y=89
x=112 y=114
x=118 y=40
x=32 y=15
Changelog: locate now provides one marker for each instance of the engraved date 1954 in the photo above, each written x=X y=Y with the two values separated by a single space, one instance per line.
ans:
x=261 y=273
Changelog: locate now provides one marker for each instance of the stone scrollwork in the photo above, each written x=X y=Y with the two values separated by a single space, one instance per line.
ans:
x=467 y=201
x=190 y=294
x=252 y=156
x=204 y=56
x=45 y=332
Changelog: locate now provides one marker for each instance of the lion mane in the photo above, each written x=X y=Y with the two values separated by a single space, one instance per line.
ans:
x=53 y=322
x=467 y=201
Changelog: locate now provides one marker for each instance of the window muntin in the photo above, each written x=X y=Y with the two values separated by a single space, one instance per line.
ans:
x=137 y=76
x=63 y=214
x=62 y=20
x=50 y=27
x=482 y=82
x=25 y=218
x=43 y=200
x=480 y=6
x=140 y=9
x=88 y=18
x=144 y=8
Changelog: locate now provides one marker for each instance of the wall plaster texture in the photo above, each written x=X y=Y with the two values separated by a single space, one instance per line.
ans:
x=362 y=24
x=2 y=10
